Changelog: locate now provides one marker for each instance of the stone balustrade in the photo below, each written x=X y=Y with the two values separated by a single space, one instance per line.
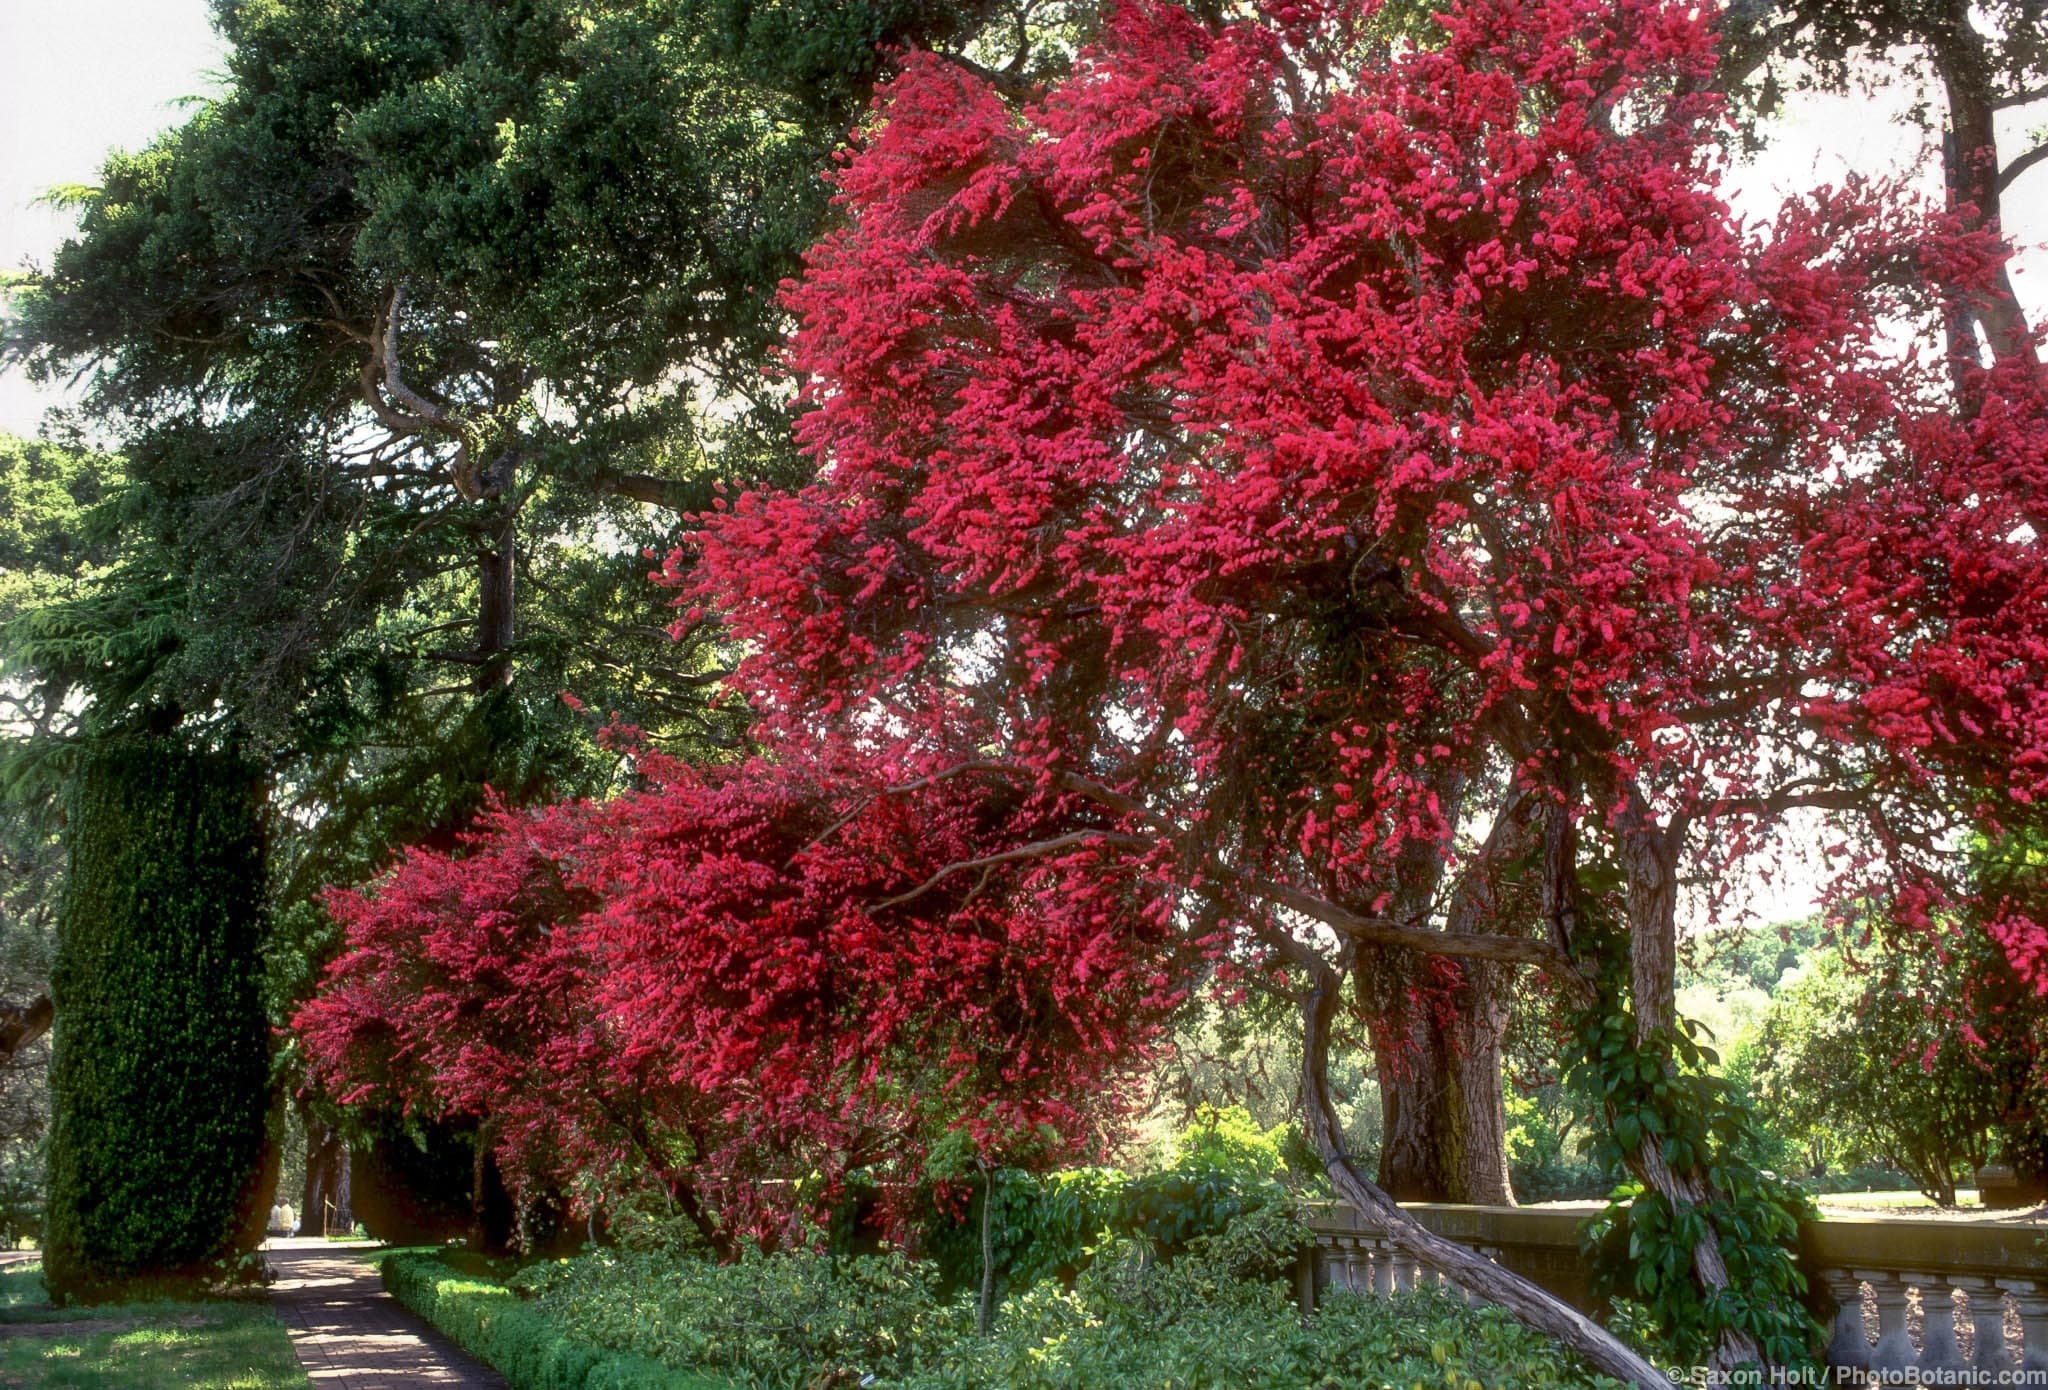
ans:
x=1953 y=1302
x=1940 y=1296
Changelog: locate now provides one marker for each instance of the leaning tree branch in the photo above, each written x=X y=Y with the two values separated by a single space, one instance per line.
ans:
x=1010 y=84
x=1037 y=849
x=383 y=377
x=1375 y=931
x=686 y=495
x=1465 y=1267
x=2020 y=166
x=1380 y=931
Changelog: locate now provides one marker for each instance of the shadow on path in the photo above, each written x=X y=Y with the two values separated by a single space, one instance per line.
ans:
x=352 y=1335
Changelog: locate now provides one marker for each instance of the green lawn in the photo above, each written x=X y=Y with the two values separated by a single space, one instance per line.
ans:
x=1896 y=1203
x=224 y=1344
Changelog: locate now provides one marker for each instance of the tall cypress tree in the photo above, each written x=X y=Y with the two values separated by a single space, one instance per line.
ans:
x=159 y=1081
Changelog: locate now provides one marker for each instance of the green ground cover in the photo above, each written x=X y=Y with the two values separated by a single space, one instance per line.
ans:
x=661 y=1321
x=221 y=1344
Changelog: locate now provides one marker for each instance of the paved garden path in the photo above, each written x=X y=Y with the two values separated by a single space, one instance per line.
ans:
x=350 y=1334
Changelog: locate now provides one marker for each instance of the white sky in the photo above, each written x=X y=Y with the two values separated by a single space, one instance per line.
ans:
x=81 y=77
x=77 y=79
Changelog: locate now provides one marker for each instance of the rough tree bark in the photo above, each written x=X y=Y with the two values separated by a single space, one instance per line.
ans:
x=1437 y=1058
x=1436 y=1047
x=1437 y=1043
x=1491 y=897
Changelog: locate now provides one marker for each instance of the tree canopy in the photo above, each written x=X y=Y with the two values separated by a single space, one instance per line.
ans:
x=1319 y=499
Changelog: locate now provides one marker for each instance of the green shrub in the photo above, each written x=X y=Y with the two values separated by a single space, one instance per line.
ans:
x=1226 y=1139
x=160 y=1073
x=769 y=1322
x=1209 y=1320
x=1049 y=1225
x=1056 y=1339
x=525 y=1345
x=1206 y=1321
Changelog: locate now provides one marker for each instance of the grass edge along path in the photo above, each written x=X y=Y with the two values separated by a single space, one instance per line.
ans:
x=491 y=1323
x=216 y=1344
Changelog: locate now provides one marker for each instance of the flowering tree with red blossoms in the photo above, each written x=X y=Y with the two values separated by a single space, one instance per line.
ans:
x=1296 y=447
x=1300 y=502
x=747 y=981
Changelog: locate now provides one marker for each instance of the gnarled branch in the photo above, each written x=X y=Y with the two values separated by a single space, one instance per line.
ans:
x=383 y=377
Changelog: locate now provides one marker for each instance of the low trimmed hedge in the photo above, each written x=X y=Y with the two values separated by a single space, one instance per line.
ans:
x=491 y=1323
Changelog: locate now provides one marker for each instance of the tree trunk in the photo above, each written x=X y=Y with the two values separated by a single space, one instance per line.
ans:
x=1467 y=1269
x=1483 y=1106
x=496 y=569
x=1421 y=1145
x=1435 y=1033
x=323 y=1161
x=1443 y=1120
x=1970 y=168
x=1493 y=896
x=494 y=1215
x=343 y=1217
x=1650 y=859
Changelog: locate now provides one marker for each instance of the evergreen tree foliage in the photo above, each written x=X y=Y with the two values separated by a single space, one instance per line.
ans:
x=160 y=1076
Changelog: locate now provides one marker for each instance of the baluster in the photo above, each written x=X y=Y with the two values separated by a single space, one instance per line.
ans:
x=2031 y=1297
x=1848 y=1346
x=1353 y=1275
x=1938 y=1351
x=1894 y=1350
x=1377 y=1253
x=1987 y=1323
x=1383 y=1268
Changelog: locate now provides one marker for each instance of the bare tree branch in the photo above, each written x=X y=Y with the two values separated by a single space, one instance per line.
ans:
x=1036 y=849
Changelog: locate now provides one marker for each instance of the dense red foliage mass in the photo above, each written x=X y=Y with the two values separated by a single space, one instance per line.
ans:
x=1297 y=445
x=709 y=976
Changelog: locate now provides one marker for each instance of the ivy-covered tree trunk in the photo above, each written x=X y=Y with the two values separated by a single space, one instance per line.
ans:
x=1651 y=858
x=160 y=1075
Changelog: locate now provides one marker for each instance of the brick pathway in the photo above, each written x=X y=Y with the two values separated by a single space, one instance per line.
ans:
x=350 y=1334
